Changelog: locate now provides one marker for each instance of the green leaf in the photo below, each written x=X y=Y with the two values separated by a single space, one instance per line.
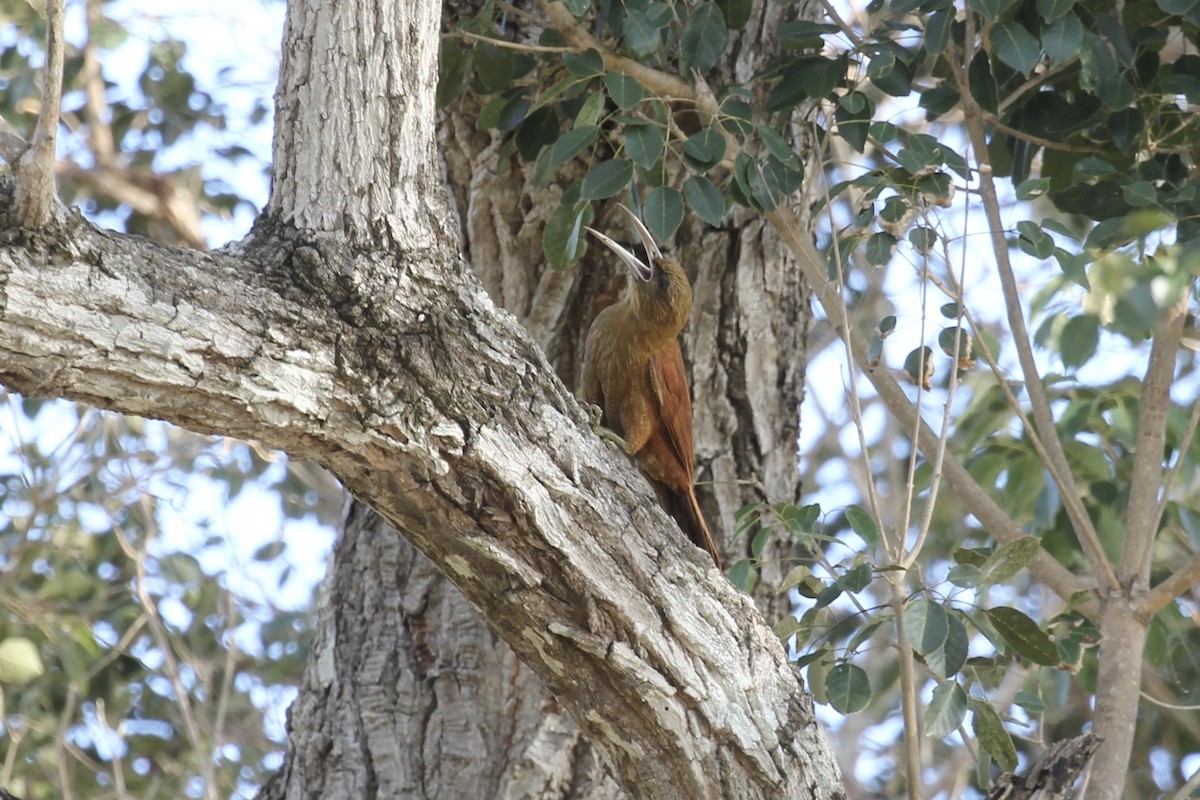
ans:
x=863 y=524
x=937 y=30
x=1062 y=39
x=946 y=711
x=925 y=625
x=940 y=100
x=588 y=64
x=923 y=238
x=572 y=144
x=1033 y=188
x=964 y=575
x=1015 y=46
x=703 y=38
x=625 y=91
x=891 y=75
x=589 y=113
x=790 y=626
x=848 y=688
x=538 y=130
x=644 y=144
x=992 y=736
x=854 y=119
x=1034 y=241
x=1023 y=636
x=20 y=661
x=948 y=659
x=736 y=13
x=795 y=577
x=803 y=33
x=454 y=65
x=663 y=211
x=922 y=153
x=1050 y=10
x=879 y=248
x=779 y=147
x=736 y=117
x=990 y=9
x=607 y=179
x=743 y=575
x=1009 y=559
x=1080 y=336
x=562 y=238
x=503 y=112
x=705 y=199
x=641 y=33
x=983 y=82
x=704 y=150
x=1140 y=194
x=956 y=342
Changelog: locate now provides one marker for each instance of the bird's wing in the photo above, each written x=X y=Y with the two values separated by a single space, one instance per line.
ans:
x=675 y=404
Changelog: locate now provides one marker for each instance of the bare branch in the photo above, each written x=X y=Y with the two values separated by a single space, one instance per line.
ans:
x=1072 y=495
x=1141 y=521
x=978 y=502
x=36 y=196
x=1179 y=582
x=662 y=83
x=96 y=110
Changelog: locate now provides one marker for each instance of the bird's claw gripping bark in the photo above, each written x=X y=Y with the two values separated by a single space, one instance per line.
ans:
x=596 y=418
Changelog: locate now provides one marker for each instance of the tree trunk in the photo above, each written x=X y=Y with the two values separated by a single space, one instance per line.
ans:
x=346 y=332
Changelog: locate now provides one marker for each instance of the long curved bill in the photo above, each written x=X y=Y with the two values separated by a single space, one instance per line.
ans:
x=640 y=271
x=639 y=268
x=647 y=238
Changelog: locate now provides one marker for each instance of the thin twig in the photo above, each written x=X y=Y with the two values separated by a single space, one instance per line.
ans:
x=944 y=436
x=96 y=108
x=1049 y=144
x=1072 y=497
x=661 y=83
x=528 y=48
x=60 y=743
x=998 y=523
x=892 y=549
x=230 y=672
x=832 y=13
x=117 y=762
x=908 y=695
x=170 y=665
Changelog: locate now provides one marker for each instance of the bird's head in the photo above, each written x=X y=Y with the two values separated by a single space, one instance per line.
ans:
x=660 y=294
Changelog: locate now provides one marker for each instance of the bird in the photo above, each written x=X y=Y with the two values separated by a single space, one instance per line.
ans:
x=633 y=373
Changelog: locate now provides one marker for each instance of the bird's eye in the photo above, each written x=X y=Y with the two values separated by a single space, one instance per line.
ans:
x=664 y=282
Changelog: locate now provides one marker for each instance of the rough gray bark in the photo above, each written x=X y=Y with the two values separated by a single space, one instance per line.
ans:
x=436 y=705
x=346 y=332
x=1051 y=777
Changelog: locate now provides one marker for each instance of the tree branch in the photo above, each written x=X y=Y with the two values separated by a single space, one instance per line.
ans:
x=399 y=375
x=1182 y=579
x=1039 y=404
x=972 y=495
x=661 y=83
x=36 y=196
x=1141 y=521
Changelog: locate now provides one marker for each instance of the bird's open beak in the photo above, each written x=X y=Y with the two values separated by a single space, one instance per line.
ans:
x=640 y=270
